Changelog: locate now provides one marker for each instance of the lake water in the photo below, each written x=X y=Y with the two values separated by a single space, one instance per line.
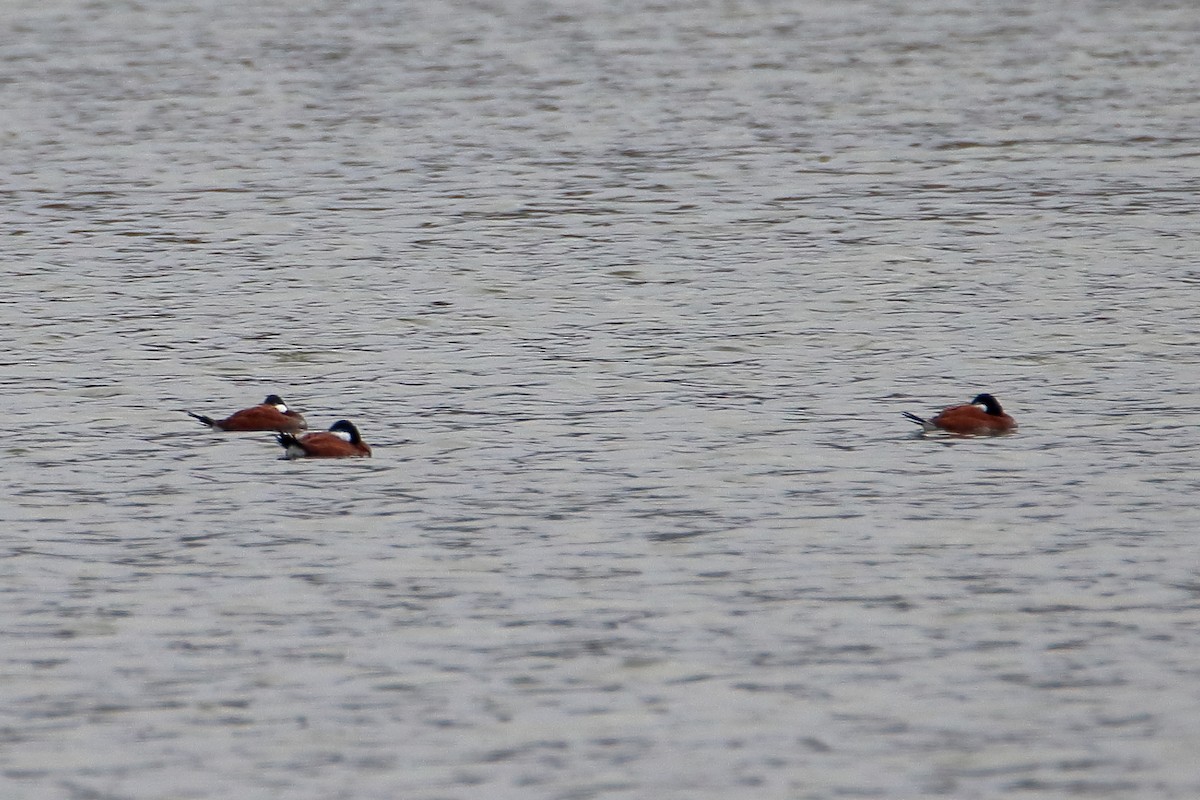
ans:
x=628 y=298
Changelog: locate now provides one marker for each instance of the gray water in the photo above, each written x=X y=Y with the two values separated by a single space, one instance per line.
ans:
x=628 y=298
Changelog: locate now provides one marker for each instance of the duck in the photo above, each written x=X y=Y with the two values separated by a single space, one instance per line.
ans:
x=983 y=416
x=342 y=440
x=271 y=414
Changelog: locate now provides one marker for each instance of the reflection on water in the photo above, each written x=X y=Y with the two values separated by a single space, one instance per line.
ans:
x=628 y=301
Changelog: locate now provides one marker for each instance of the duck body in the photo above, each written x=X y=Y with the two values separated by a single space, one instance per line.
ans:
x=271 y=414
x=342 y=440
x=983 y=416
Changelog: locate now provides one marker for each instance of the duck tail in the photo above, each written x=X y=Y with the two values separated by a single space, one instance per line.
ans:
x=209 y=421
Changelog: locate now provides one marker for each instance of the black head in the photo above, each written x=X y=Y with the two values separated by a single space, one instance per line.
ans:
x=989 y=403
x=346 y=427
x=274 y=400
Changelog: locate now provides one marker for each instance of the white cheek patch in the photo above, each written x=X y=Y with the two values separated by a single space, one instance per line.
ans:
x=281 y=408
x=345 y=437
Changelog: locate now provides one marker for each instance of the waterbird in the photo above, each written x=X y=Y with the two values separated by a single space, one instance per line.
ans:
x=342 y=440
x=271 y=414
x=982 y=416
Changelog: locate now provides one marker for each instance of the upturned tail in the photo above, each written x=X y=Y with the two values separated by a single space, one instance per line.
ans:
x=209 y=421
x=291 y=445
x=914 y=418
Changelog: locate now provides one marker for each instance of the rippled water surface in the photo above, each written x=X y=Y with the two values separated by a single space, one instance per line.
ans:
x=628 y=298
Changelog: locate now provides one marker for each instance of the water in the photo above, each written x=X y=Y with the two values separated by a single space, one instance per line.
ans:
x=628 y=300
